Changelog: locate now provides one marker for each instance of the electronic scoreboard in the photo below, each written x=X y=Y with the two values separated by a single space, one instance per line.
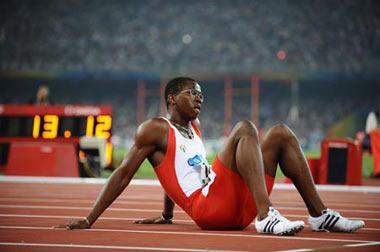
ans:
x=54 y=124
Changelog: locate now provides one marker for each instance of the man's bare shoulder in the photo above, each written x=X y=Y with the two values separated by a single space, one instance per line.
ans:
x=152 y=130
x=156 y=123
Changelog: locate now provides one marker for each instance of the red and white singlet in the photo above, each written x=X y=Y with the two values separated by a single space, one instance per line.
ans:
x=180 y=171
x=225 y=202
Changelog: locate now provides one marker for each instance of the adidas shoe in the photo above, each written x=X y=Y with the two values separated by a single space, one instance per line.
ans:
x=277 y=224
x=331 y=220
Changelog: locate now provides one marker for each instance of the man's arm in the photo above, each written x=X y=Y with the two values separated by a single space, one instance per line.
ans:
x=166 y=216
x=145 y=143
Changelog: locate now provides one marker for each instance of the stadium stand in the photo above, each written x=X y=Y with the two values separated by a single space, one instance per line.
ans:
x=74 y=41
x=228 y=36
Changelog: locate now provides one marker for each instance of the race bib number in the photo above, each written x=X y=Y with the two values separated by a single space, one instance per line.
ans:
x=205 y=172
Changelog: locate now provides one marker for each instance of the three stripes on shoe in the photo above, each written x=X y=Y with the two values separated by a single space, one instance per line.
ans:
x=329 y=222
x=270 y=225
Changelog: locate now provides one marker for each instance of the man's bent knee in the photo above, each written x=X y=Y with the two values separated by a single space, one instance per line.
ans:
x=281 y=131
x=245 y=128
x=281 y=128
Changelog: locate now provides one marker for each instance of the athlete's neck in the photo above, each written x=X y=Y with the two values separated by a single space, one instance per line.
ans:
x=179 y=121
x=183 y=126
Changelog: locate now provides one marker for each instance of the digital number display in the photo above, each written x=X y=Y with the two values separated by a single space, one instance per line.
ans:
x=52 y=126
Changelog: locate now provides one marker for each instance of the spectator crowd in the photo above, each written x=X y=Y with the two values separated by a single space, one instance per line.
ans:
x=205 y=37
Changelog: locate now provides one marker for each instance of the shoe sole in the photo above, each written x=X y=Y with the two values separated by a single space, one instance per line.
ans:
x=292 y=231
x=339 y=231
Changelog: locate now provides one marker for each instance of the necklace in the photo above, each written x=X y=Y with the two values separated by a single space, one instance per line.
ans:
x=185 y=131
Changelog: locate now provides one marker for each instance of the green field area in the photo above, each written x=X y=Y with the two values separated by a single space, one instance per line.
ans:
x=146 y=170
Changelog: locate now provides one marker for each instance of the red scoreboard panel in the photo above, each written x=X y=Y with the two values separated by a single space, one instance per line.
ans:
x=52 y=125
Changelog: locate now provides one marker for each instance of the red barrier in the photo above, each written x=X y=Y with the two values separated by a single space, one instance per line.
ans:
x=42 y=159
x=341 y=162
x=375 y=149
x=314 y=164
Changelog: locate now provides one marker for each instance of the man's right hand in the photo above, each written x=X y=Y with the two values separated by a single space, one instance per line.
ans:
x=154 y=220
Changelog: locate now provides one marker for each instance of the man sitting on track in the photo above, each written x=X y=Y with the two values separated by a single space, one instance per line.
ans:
x=231 y=192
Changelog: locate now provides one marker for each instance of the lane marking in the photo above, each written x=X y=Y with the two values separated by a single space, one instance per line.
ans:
x=153 y=182
x=364 y=244
x=123 y=219
x=350 y=217
x=86 y=208
x=204 y=233
x=332 y=247
x=337 y=209
x=295 y=250
x=120 y=209
x=55 y=245
x=120 y=219
x=81 y=201
x=81 y=217
x=159 y=202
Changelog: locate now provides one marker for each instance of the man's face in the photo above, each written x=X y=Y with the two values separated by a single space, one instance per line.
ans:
x=189 y=100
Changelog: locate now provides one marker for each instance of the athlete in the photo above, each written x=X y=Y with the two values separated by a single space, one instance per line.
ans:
x=230 y=193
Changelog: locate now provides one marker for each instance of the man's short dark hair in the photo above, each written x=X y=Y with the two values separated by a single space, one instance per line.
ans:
x=175 y=86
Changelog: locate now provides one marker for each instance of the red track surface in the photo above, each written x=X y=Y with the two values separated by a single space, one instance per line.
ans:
x=29 y=210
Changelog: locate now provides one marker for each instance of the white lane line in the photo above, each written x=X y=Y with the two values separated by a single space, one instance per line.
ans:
x=204 y=233
x=300 y=203
x=332 y=247
x=340 y=210
x=57 y=245
x=158 y=210
x=122 y=219
x=363 y=245
x=81 y=217
x=86 y=208
x=80 y=201
x=133 y=219
x=295 y=250
x=57 y=200
x=72 y=180
x=160 y=203
x=154 y=182
x=350 y=217
x=332 y=188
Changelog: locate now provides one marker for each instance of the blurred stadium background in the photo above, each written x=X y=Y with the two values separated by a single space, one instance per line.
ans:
x=317 y=62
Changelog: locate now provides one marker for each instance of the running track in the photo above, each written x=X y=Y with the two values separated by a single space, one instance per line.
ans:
x=30 y=207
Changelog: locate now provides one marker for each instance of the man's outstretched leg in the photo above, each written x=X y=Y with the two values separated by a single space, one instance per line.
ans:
x=281 y=146
x=241 y=153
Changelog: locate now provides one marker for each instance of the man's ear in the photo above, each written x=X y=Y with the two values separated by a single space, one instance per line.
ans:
x=171 y=99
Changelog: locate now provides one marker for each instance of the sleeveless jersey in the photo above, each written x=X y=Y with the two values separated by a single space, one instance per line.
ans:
x=180 y=171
